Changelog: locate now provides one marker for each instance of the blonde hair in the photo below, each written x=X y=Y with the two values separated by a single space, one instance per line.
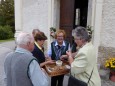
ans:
x=60 y=31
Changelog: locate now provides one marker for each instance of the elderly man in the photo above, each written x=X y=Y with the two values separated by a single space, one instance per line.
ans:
x=21 y=68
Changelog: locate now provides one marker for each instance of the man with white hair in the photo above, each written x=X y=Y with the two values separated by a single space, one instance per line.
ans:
x=21 y=68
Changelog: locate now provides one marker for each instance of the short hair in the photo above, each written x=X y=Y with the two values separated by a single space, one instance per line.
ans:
x=35 y=31
x=40 y=36
x=60 y=31
x=24 y=38
x=82 y=33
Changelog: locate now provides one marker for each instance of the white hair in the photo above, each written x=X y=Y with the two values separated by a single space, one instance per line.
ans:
x=24 y=38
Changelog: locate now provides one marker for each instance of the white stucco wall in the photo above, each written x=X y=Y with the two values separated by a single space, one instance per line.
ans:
x=108 y=24
x=35 y=15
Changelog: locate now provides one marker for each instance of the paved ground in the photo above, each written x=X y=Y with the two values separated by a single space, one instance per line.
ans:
x=7 y=47
x=4 y=49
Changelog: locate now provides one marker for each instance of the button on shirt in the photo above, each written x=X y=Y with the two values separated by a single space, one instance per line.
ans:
x=36 y=75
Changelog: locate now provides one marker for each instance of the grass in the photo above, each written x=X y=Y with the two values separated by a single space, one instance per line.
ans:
x=11 y=39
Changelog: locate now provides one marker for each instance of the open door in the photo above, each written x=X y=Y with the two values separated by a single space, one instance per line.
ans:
x=67 y=17
x=72 y=13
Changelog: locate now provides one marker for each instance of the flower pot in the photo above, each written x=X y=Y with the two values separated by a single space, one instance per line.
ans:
x=112 y=76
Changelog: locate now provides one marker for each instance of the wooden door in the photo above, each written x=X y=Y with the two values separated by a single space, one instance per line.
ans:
x=67 y=17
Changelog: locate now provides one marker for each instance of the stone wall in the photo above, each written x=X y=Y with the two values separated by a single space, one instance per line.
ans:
x=107 y=35
x=108 y=24
x=104 y=54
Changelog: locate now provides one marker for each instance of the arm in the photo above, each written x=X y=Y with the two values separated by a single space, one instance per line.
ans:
x=79 y=64
x=74 y=54
x=46 y=62
x=43 y=64
x=49 y=53
x=70 y=58
x=36 y=75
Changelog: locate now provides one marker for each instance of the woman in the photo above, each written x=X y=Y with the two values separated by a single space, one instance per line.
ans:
x=56 y=50
x=38 y=51
x=85 y=60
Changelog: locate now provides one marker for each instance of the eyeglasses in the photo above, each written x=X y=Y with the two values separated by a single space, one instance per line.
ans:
x=59 y=36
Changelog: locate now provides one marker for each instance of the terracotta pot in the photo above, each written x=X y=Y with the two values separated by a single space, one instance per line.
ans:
x=112 y=76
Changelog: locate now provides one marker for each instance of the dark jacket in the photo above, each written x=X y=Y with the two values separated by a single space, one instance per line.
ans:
x=38 y=54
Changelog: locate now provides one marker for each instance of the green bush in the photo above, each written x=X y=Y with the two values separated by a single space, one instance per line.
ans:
x=6 y=32
x=7 y=13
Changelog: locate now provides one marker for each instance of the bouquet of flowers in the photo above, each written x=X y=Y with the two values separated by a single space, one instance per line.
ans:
x=90 y=31
x=110 y=63
x=52 y=32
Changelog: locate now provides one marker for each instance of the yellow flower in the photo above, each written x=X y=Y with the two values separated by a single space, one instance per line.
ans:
x=106 y=65
x=110 y=63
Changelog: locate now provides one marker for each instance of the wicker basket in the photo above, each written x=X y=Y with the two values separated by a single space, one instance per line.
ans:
x=54 y=70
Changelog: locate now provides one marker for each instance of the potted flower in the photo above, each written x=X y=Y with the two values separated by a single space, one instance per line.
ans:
x=110 y=63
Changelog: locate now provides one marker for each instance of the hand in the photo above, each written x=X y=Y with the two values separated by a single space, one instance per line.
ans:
x=48 y=58
x=70 y=59
x=69 y=53
x=50 y=61
x=63 y=57
x=74 y=54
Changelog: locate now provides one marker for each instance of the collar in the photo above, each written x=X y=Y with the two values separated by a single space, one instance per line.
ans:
x=56 y=43
x=38 y=46
x=83 y=44
x=22 y=50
